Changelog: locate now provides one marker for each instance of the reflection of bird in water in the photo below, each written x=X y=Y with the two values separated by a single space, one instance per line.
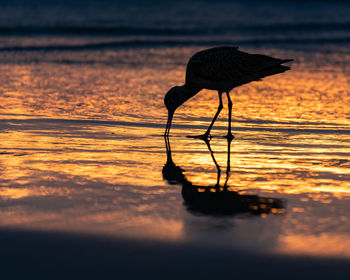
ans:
x=217 y=200
x=220 y=69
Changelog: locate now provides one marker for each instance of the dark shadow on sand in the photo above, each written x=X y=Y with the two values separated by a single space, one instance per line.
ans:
x=49 y=255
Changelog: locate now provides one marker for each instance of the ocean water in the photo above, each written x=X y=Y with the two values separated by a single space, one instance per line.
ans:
x=82 y=117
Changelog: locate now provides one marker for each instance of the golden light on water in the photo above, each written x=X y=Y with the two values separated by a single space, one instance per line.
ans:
x=81 y=150
x=331 y=245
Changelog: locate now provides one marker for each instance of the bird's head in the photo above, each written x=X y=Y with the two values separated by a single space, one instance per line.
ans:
x=174 y=98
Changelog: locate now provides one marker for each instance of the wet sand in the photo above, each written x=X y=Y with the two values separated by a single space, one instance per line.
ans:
x=42 y=255
x=85 y=182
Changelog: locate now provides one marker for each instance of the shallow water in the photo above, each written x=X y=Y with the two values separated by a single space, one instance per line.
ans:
x=82 y=150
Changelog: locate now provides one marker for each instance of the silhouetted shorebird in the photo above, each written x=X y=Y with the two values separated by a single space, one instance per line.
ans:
x=221 y=69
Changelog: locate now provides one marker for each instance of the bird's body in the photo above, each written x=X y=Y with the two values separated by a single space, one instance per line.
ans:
x=224 y=68
x=221 y=69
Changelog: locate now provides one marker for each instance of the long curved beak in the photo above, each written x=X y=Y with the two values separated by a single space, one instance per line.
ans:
x=170 y=118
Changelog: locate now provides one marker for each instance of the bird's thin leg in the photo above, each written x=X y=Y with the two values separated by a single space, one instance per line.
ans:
x=207 y=133
x=229 y=134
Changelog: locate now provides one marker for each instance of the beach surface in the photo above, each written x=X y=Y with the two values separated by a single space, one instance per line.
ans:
x=87 y=184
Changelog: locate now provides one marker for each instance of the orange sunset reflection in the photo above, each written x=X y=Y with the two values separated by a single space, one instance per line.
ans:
x=81 y=151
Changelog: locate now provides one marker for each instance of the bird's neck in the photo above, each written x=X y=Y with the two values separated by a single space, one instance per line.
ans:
x=189 y=91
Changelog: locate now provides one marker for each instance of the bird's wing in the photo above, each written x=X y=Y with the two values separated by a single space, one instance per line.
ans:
x=228 y=63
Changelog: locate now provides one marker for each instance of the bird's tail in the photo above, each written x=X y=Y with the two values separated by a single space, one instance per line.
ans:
x=273 y=70
x=286 y=60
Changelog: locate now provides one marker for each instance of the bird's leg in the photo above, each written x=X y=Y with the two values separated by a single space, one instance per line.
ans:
x=207 y=133
x=229 y=134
